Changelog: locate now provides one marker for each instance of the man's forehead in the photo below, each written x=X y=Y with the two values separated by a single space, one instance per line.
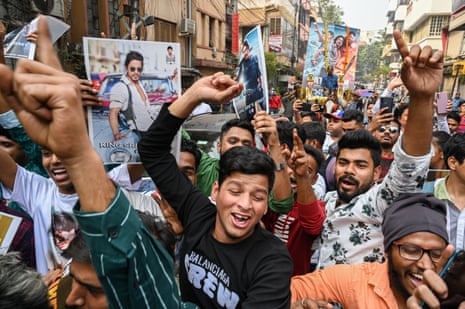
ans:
x=238 y=132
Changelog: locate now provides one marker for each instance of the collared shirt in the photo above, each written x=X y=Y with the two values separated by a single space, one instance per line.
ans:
x=455 y=217
x=133 y=267
x=329 y=81
x=353 y=286
x=352 y=232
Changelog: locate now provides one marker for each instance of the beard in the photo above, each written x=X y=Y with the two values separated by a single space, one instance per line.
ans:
x=395 y=279
x=346 y=196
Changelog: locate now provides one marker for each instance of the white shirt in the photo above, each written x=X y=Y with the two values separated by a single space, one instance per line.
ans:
x=352 y=233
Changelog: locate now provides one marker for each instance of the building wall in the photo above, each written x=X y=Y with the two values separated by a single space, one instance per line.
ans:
x=210 y=36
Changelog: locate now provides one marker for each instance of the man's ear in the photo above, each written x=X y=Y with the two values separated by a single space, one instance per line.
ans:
x=451 y=162
x=377 y=173
x=215 y=189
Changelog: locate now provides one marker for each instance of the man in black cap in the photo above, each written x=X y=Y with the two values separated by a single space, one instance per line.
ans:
x=415 y=241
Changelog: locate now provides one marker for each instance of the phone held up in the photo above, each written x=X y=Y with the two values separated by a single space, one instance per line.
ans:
x=453 y=274
x=441 y=101
x=387 y=102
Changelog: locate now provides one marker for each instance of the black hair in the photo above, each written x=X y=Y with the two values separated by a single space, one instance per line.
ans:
x=133 y=55
x=315 y=130
x=191 y=147
x=246 y=160
x=400 y=110
x=160 y=229
x=361 y=139
x=442 y=137
x=316 y=154
x=78 y=250
x=455 y=147
x=454 y=115
x=243 y=124
x=4 y=132
x=312 y=115
x=339 y=36
x=353 y=114
x=286 y=135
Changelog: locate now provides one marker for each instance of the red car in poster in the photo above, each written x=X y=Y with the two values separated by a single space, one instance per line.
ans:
x=159 y=88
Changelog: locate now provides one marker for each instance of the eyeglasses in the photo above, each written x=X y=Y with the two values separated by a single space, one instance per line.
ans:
x=133 y=69
x=392 y=130
x=413 y=252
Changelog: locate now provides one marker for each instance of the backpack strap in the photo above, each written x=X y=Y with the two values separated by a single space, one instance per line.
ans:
x=129 y=112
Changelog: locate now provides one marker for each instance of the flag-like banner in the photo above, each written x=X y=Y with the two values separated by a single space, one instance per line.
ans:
x=333 y=45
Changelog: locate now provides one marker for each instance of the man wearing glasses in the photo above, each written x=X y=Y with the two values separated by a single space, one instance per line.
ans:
x=352 y=232
x=130 y=109
x=387 y=136
x=415 y=241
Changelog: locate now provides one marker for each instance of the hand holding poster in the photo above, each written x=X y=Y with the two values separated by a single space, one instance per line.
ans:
x=19 y=44
x=252 y=73
x=134 y=78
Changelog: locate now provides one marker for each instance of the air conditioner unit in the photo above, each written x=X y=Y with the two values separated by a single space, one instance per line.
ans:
x=49 y=7
x=187 y=26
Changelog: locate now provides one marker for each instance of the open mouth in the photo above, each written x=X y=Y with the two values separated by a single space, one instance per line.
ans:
x=416 y=279
x=240 y=221
x=60 y=173
x=348 y=182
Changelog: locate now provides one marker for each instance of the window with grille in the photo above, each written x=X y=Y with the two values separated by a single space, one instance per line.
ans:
x=275 y=26
x=165 y=31
x=437 y=22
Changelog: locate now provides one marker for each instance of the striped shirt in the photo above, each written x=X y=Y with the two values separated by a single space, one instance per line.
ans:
x=133 y=267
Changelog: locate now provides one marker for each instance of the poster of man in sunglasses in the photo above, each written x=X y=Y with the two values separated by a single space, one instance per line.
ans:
x=133 y=81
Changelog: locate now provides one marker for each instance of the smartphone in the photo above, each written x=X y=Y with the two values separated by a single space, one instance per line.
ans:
x=441 y=101
x=453 y=274
x=306 y=107
x=386 y=102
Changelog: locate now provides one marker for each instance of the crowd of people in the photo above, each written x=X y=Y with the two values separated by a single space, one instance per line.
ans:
x=330 y=213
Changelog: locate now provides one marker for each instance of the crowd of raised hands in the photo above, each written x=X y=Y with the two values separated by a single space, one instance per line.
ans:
x=50 y=103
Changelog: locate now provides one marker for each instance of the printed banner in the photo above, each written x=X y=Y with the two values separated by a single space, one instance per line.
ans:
x=276 y=43
x=252 y=73
x=335 y=46
x=16 y=45
x=134 y=79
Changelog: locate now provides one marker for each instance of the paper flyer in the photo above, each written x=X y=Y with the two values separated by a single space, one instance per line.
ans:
x=252 y=73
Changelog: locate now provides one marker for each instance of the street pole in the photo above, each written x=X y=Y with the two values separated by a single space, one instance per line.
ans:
x=294 y=36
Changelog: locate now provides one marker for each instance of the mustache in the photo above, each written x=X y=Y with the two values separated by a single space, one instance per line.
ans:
x=350 y=178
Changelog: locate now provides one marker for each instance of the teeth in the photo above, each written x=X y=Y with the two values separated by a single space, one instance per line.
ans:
x=418 y=277
x=243 y=218
x=60 y=170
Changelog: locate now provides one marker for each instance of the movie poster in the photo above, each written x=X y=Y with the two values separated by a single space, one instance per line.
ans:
x=132 y=93
x=335 y=46
x=252 y=73
x=16 y=45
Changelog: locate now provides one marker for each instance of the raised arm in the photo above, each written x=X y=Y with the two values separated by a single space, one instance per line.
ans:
x=48 y=103
x=421 y=73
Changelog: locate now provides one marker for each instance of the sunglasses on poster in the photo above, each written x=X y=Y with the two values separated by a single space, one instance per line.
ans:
x=392 y=130
x=133 y=69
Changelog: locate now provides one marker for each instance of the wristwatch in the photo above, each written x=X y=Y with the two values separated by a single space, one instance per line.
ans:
x=280 y=166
